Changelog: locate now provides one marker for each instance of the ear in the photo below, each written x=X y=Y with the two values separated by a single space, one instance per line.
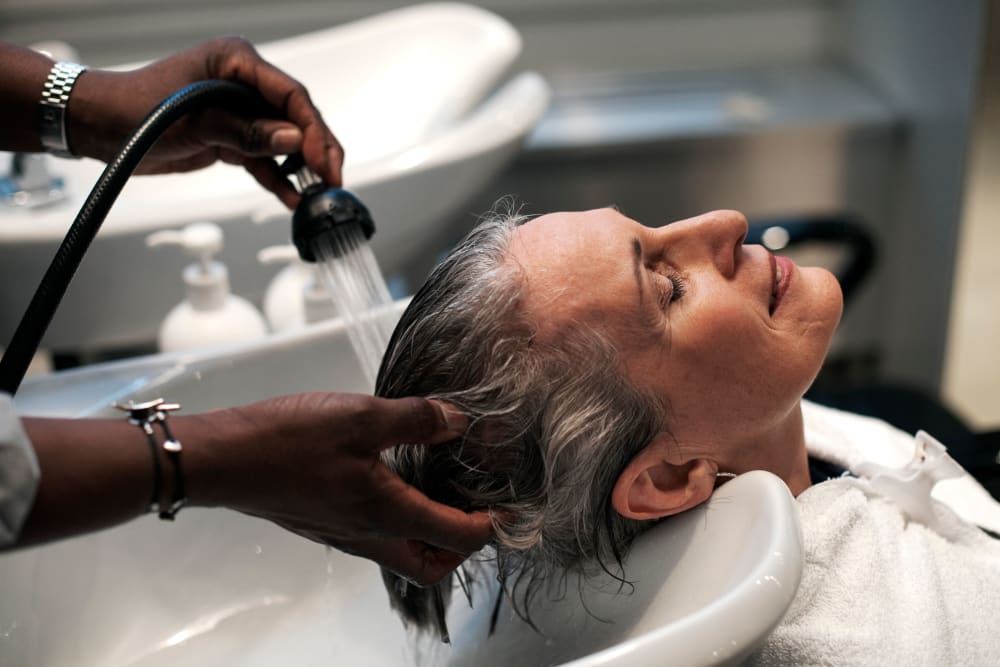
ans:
x=656 y=483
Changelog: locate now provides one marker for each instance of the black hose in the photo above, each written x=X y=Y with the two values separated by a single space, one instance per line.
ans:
x=36 y=319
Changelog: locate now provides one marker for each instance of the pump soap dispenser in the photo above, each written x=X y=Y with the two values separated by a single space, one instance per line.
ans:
x=298 y=294
x=210 y=315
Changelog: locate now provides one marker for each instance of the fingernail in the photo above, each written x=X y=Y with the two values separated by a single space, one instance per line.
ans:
x=455 y=420
x=334 y=160
x=287 y=140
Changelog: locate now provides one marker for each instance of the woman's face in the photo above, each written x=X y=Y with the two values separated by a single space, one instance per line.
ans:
x=727 y=335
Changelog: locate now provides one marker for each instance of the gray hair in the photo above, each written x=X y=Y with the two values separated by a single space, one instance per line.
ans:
x=552 y=423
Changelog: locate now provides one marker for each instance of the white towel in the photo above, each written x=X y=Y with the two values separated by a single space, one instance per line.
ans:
x=848 y=439
x=877 y=588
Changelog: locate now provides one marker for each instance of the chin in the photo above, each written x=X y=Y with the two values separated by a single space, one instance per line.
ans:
x=830 y=297
x=827 y=305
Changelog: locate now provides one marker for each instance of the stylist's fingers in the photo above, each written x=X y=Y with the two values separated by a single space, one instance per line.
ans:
x=266 y=172
x=410 y=559
x=199 y=160
x=249 y=136
x=393 y=421
x=414 y=515
x=321 y=150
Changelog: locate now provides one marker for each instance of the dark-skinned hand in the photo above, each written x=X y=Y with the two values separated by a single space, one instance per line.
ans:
x=310 y=463
x=106 y=106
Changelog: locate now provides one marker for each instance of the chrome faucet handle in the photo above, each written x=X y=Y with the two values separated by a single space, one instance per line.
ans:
x=29 y=183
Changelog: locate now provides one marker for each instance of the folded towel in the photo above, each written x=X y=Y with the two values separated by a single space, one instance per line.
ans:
x=877 y=587
x=880 y=590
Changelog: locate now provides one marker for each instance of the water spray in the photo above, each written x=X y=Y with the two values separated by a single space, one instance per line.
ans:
x=331 y=227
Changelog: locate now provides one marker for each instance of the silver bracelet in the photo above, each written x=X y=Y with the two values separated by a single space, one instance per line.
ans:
x=52 y=107
x=145 y=415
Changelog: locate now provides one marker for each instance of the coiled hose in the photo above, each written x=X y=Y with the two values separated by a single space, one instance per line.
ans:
x=36 y=319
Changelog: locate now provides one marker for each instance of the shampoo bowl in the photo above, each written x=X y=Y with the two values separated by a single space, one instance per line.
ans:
x=217 y=587
x=418 y=100
x=704 y=588
x=222 y=588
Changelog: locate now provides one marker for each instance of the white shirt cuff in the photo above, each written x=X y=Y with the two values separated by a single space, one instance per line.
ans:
x=19 y=473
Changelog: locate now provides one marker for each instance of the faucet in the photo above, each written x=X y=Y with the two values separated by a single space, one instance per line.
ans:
x=29 y=183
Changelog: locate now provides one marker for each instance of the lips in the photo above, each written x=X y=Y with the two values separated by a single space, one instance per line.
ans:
x=781 y=271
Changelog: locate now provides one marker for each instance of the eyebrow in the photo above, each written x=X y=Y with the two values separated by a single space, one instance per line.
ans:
x=637 y=265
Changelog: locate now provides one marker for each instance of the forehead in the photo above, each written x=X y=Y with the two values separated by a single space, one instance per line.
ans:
x=577 y=267
x=555 y=240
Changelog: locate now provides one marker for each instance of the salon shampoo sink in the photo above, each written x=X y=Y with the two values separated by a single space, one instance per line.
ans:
x=216 y=587
x=703 y=588
x=420 y=98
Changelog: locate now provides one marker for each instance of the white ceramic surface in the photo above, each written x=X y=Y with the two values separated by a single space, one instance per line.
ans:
x=217 y=587
x=709 y=586
x=318 y=357
x=221 y=588
x=415 y=96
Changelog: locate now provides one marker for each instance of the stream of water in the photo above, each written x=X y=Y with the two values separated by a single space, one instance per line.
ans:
x=359 y=292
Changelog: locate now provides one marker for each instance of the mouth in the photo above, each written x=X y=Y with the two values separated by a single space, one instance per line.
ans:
x=781 y=273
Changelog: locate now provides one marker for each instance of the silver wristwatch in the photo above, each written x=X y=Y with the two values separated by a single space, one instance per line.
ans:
x=52 y=108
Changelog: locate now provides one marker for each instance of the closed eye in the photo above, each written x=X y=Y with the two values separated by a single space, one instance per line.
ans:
x=670 y=287
x=668 y=283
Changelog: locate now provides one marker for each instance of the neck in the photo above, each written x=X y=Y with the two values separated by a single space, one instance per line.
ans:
x=780 y=450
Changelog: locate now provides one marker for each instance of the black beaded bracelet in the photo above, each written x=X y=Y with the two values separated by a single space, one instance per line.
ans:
x=145 y=416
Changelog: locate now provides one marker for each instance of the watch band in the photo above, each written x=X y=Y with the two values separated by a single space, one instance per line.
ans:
x=52 y=107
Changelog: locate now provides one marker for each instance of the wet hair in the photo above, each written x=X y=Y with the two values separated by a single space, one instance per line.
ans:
x=553 y=424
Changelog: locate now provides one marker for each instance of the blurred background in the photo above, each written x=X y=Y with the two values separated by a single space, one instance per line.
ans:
x=887 y=111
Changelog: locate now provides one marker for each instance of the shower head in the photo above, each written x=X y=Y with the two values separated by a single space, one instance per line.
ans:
x=331 y=228
x=322 y=212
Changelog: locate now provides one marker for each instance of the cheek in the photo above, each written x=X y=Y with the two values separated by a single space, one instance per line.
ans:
x=720 y=335
x=722 y=351
x=732 y=366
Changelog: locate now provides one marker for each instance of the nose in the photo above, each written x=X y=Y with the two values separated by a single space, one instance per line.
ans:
x=716 y=236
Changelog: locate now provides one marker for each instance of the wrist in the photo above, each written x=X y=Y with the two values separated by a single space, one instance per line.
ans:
x=94 y=128
x=213 y=456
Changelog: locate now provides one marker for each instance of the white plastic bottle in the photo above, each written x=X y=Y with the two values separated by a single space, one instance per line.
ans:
x=210 y=315
x=297 y=295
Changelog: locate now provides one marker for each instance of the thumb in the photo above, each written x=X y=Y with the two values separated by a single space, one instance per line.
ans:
x=251 y=136
x=418 y=420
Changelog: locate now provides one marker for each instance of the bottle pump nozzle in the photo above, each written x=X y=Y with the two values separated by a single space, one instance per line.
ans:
x=207 y=279
x=201 y=240
x=298 y=295
x=211 y=314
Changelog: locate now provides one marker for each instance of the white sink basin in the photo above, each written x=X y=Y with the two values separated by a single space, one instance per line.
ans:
x=221 y=588
x=709 y=586
x=415 y=96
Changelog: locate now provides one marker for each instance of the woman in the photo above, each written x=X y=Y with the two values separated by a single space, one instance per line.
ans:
x=611 y=372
